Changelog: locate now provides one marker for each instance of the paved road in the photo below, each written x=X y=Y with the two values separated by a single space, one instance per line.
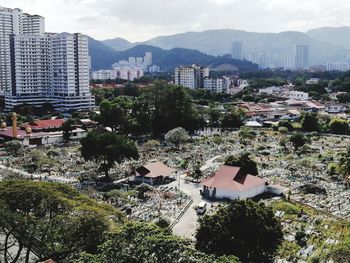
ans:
x=188 y=222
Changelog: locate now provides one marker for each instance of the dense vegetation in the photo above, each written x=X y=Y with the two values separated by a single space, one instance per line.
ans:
x=243 y=228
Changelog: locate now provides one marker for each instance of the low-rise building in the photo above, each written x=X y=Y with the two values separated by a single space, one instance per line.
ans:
x=231 y=182
x=270 y=90
x=313 y=81
x=296 y=95
x=154 y=173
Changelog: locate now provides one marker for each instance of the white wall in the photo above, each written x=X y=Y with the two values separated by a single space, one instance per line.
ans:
x=249 y=193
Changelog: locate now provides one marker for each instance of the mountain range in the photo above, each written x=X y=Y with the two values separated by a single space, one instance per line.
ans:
x=103 y=57
x=325 y=45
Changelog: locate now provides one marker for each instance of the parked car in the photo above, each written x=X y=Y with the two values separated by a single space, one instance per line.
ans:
x=201 y=208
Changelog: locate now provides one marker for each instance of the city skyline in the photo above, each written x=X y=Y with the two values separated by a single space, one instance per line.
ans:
x=115 y=19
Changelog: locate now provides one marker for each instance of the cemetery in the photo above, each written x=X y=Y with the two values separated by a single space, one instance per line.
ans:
x=316 y=196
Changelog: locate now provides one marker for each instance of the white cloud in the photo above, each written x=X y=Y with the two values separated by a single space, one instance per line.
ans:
x=139 y=20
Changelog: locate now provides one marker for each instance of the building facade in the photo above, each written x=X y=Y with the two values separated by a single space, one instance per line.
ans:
x=217 y=85
x=126 y=73
x=191 y=77
x=301 y=57
x=236 y=51
x=42 y=67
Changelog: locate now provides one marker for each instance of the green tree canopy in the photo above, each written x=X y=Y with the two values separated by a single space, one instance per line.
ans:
x=142 y=242
x=52 y=219
x=298 y=140
x=310 y=122
x=245 y=229
x=170 y=107
x=107 y=148
x=233 y=119
x=13 y=147
x=339 y=126
x=244 y=161
x=177 y=136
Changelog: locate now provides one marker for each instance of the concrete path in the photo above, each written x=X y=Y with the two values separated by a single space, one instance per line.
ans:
x=187 y=224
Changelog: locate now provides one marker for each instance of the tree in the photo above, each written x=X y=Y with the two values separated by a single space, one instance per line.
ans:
x=244 y=161
x=245 y=229
x=344 y=165
x=339 y=126
x=298 y=140
x=245 y=133
x=177 y=136
x=67 y=128
x=13 y=147
x=107 y=148
x=143 y=242
x=169 y=107
x=142 y=189
x=233 y=119
x=113 y=114
x=214 y=115
x=53 y=219
x=309 y=122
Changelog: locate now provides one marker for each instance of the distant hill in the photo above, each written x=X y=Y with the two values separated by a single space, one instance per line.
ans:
x=335 y=35
x=118 y=44
x=103 y=57
x=276 y=45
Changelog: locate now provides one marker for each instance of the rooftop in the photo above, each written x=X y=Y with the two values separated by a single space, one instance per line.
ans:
x=154 y=170
x=232 y=178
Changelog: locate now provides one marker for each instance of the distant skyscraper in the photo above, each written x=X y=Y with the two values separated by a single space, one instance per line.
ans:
x=301 y=56
x=236 y=52
x=289 y=62
x=148 y=59
x=132 y=60
x=257 y=58
x=262 y=61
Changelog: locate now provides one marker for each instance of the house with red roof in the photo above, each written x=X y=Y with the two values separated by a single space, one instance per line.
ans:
x=231 y=182
x=154 y=173
x=44 y=125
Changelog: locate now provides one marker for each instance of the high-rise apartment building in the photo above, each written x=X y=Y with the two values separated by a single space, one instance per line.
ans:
x=301 y=57
x=13 y=21
x=289 y=62
x=338 y=66
x=38 y=67
x=191 y=77
x=217 y=85
x=236 y=51
x=148 y=59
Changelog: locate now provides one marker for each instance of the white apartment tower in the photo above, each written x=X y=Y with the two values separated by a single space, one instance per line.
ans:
x=236 y=50
x=14 y=22
x=301 y=56
x=148 y=59
x=191 y=77
x=38 y=67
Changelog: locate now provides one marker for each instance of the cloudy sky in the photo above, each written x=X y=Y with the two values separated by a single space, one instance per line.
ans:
x=138 y=20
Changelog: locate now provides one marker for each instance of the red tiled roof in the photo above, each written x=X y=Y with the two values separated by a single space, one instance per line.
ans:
x=45 y=124
x=231 y=178
x=154 y=170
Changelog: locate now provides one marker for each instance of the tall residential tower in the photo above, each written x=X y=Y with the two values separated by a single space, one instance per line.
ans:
x=38 y=67
x=236 y=51
x=301 y=57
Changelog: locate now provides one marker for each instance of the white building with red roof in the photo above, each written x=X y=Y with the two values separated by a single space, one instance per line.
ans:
x=231 y=182
x=154 y=173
